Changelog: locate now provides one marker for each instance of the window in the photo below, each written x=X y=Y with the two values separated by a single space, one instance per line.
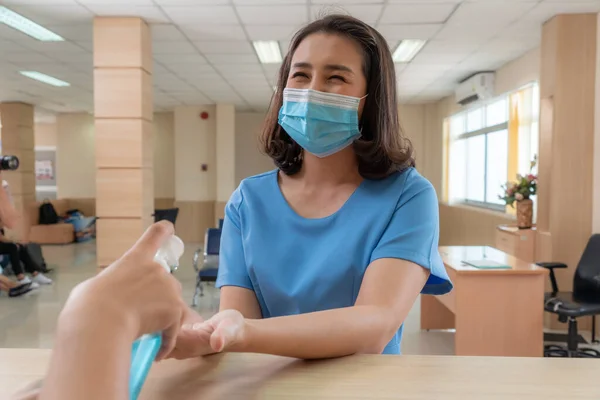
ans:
x=479 y=154
x=489 y=144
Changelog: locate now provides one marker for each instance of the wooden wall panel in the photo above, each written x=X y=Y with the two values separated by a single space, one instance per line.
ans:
x=21 y=137
x=162 y=203
x=122 y=93
x=469 y=226
x=219 y=211
x=17 y=115
x=115 y=236
x=122 y=42
x=567 y=86
x=124 y=143
x=195 y=217
x=125 y=192
x=123 y=112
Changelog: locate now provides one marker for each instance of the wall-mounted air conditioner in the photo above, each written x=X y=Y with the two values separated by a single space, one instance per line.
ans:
x=479 y=86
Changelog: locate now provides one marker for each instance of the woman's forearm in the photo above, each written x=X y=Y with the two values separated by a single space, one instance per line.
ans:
x=324 y=334
x=90 y=361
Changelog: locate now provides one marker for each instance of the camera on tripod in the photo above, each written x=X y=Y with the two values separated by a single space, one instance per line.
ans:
x=9 y=163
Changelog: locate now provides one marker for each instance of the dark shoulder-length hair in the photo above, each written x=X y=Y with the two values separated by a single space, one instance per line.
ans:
x=382 y=149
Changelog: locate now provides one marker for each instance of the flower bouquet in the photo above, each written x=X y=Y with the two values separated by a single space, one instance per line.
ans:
x=520 y=192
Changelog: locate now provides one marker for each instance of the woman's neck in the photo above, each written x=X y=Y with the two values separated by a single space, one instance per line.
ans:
x=341 y=167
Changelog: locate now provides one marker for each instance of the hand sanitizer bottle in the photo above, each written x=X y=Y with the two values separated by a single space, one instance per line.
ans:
x=146 y=348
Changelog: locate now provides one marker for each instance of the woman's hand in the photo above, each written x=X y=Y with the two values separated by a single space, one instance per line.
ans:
x=134 y=292
x=220 y=333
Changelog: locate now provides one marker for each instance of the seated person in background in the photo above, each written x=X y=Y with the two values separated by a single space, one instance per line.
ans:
x=17 y=253
x=133 y=296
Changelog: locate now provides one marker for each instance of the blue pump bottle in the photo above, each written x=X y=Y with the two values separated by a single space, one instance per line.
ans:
x=145 y=349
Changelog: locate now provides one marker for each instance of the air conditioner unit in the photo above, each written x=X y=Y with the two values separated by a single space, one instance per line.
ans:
x=479 y=86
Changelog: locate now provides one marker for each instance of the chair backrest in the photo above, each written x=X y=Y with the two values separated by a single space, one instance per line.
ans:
x=586 y=281
x=170 y=214
x=221 y=220
x=212 y=241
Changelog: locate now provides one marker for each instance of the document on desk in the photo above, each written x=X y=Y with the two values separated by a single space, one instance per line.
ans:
x=486 y=264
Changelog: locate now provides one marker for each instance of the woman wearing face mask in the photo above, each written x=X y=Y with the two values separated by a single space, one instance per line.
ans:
x=326 y=255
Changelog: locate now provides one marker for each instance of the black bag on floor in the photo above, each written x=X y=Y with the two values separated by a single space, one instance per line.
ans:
x=34 y=251
x=48 y=215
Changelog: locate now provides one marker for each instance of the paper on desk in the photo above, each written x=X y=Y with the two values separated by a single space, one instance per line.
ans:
x=486 y=264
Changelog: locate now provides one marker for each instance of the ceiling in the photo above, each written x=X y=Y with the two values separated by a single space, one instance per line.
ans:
x=203 y=52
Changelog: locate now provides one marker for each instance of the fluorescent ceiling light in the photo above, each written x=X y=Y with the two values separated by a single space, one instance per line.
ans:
x=268 y=51
x=50 y=80
x=27 y=26
x=407 y=50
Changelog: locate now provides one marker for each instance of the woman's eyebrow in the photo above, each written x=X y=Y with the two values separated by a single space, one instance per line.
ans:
x=338 y=67
x=328 y=67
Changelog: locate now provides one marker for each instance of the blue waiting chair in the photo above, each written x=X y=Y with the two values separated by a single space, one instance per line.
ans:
x=170 y=214
x=207 y=271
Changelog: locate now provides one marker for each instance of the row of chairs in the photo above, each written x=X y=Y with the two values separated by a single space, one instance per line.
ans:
x=206 y=260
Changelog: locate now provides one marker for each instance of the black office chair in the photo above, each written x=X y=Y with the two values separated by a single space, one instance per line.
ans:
x=584 y=300
x=170 y=214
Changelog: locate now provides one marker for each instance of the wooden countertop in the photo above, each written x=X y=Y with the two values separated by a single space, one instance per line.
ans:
x=251 y=376
x=453 y=257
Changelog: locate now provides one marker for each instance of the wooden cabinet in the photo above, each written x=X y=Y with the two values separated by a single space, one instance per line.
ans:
x=519 y=243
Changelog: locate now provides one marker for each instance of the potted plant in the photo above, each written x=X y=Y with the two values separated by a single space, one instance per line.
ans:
x=521 y=192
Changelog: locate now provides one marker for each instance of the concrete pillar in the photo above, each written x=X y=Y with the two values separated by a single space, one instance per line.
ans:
x=123 y=130
x=17 y=138
x=226 y=182
x=567 y=96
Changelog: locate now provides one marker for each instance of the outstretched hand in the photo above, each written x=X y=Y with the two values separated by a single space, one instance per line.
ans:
x=217 y=334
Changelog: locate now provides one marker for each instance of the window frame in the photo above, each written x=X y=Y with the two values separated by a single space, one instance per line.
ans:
x=484 y=131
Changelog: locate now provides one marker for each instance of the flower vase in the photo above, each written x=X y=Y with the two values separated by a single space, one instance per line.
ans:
x=524 y=214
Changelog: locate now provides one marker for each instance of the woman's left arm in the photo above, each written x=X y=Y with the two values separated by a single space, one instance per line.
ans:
x=389 y=289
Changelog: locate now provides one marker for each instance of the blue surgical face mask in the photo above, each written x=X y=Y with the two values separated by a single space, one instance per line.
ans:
x=321 y=123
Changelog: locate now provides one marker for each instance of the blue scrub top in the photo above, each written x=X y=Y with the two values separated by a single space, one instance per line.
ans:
x=297 y=265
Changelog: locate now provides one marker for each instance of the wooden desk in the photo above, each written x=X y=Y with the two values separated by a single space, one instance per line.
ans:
x=495 y=312
x=251 y=376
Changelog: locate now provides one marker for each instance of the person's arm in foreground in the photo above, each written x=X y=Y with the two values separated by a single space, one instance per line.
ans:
x=8 y=213
x=104 y=315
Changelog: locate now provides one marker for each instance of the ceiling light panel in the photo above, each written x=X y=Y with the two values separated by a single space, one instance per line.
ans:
x=27 y=26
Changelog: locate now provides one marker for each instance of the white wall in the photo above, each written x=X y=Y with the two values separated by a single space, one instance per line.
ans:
x=412 y=123
x=195 y=144
x=164 y=155
x=519 y=72
x=249 y=160
x=75 y=156
x=73 y=136
x=45 y=134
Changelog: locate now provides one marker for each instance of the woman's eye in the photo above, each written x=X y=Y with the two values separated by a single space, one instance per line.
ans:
x=299 y=75
x=337 y=78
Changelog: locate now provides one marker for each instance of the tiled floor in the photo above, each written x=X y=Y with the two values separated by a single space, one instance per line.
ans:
x=30 y=321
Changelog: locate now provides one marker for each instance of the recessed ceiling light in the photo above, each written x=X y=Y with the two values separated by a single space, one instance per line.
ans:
x=407 y=50
x=27 y=26
x=50 y=80
x=268 y=51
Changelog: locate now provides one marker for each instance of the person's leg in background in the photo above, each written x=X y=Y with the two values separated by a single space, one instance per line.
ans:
x=14 y=289
x=12 y=250
x=32 y=268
